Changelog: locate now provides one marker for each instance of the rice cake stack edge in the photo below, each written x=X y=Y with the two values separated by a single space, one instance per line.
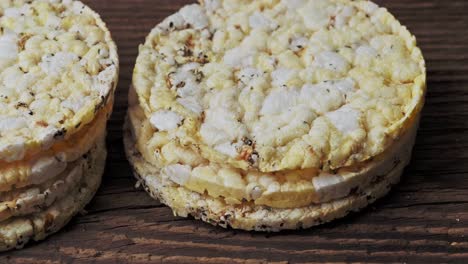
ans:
x=58 y=73
x=271 y=115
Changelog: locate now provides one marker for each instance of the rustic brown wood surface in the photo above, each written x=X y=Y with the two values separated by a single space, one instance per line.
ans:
x=425 y=218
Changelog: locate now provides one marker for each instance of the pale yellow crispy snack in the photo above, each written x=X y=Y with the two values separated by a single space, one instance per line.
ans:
x=285 y=189
x=280 y=85
x=49 y=185
x=58 y=69
x=38 y=168
x=17 y=231
x=247 y=216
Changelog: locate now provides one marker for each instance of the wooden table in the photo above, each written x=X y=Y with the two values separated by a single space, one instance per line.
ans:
x=425 y=218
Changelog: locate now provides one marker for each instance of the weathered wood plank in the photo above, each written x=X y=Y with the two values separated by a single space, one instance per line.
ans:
x=424 y=219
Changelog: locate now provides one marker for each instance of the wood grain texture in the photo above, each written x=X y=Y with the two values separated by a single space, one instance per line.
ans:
x=425 y=218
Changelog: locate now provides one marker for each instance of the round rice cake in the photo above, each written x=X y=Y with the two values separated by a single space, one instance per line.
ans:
x=37 y=196
x=279 y=85
x=285 y=189
x=17 y=231
x=58 y=69
x=248 y=216
x=41 y=167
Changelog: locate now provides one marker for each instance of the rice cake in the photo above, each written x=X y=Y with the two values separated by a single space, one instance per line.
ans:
x=16 y=232
x=247 y=216
x=269 y=115
x=280 y=85
x=58 y=69
x=285 y=189
x=38 y=168
x=35 y=197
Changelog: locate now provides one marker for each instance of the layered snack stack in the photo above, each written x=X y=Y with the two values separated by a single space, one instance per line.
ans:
x=270 y=115
x=58 y=72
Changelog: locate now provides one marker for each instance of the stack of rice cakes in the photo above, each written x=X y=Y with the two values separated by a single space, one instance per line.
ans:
x=58 y=72
x=270 y=115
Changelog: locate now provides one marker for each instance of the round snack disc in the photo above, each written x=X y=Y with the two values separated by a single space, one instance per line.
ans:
x=58 y=68
x=41 y=167
x=285 y=189
x=247 y=216
x=17 y=231
x=35 y=197
x=280 y=85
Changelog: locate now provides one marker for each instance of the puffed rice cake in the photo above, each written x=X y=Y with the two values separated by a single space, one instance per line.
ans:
x=274 y=114
x=58 y=73
x=81 y=179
